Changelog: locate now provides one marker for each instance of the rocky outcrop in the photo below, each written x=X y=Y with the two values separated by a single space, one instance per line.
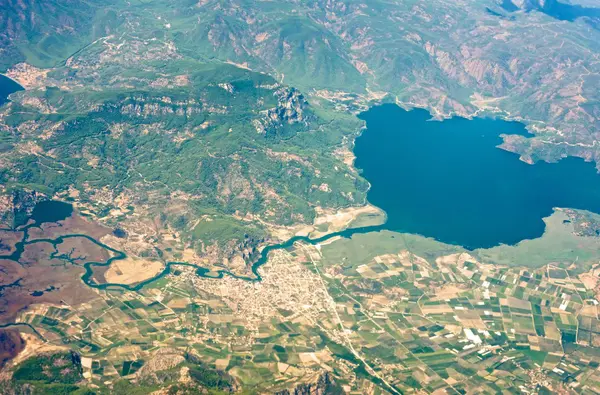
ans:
x=291 y=105
x=291 y=110
x=324 y=385
x=155 y=370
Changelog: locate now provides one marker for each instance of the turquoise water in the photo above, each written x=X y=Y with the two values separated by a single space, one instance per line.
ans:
x=509 y=6
x=7 y=86
x=561 y=11
x=52 y=211
x=447 y=180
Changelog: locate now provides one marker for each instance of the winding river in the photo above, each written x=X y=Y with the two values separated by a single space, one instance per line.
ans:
x=52 y=211
x=446 y=180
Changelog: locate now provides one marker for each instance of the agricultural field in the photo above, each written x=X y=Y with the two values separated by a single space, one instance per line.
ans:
x=415 y=315
x=182 y=208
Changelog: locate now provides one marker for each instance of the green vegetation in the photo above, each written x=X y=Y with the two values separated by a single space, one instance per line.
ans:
x=444 y=55
x=60 y=367
x=441 y=323
x=52 y=30
x=210 y=378
x=227 y=143
x=53 y=374
x=203 y=131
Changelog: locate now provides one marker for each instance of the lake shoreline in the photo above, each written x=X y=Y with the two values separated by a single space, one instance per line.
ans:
x=8 y=86
x=450 y=181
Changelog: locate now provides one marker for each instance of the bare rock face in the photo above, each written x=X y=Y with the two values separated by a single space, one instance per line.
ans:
x=291 y=110
x=290 y=114
x=519 y=3
x=528 y=4
x=324 y=385
x=290 y=106
x=163 y=359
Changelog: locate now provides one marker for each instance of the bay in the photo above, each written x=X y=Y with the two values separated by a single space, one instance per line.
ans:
x=448 y=180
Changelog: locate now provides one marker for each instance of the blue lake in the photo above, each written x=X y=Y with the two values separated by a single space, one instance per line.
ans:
x=51 y=211
x=7 y=86
x=448 y=180
x=561 y=11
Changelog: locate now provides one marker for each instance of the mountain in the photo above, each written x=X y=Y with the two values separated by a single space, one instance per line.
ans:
x=469 y=61
x=202 y=144
x=45 y=32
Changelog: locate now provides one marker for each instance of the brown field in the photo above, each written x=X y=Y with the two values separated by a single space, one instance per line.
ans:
x=54 y=280
x=436 y=309
x=516 y=303
x=448 y=291
x=132 y=270
x=342 y=219
x=59 y=281
x=179 y=303
x=8 y=239
x=71 y=225
x=82 y=250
